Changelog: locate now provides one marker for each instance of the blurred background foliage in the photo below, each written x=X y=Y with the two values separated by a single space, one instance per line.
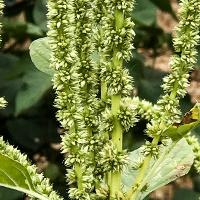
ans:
x=29 y=121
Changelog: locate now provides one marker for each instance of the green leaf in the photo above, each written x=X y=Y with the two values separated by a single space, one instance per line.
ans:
x=15 y=176
x=40 y=131
x=36 y=84
x=20 y=29
x=40 y=53
x=173 y=162
x=175 y=133
x=39 y=14
x=52 y=171
x=186 y=194
x=190 y=121
x=9 y=194
x=145 y=13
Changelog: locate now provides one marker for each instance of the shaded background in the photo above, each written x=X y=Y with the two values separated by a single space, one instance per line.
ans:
x=29 y=121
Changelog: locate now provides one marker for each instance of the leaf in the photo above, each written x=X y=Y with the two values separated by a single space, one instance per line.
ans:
x=20 y=29
x=190 y=121
x=36 y=84
x=173 y=162
x=148 y=84
x=32 y=29
x=40 y=131
x=40 y=55
x=52 y=171
x=175 y=133
x=195 y=112
x=8 y=85
x=39 y=14
x=164 y=5
x=15 y=176
x=145 y=13
x=9 y=194
x=186 y=194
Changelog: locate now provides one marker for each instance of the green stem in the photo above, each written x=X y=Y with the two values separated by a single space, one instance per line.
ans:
x=158 y=162
x=117 y=134
x=135 y=189
x=132 y=194
x=79 y=176
x=174 y=92
x=115 y=183
x=103 y=90
x=77 y=167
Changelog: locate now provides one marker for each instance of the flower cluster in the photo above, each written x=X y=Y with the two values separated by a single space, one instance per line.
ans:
x=193 y=141
x=116 y=45
x=65 y=60
x=175 y=84
x=76 y=85
x=3 y=102
x=144 y=108
x=127 y=114
x=111 y=159
x=94 y=126
x=150 y=149
x=89 y=122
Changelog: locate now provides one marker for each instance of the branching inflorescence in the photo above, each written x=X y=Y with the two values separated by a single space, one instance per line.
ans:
x=78 y=99
x=93 y=97
x=175 y=84
x=185 y=42
x=76 y=85
x=90 y=42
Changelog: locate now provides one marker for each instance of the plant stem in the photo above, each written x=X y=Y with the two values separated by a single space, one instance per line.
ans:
x=77 y=167
x=117 y=134
x=78 y=171
x=135 y=189
x=117 y=141
x=103 y=90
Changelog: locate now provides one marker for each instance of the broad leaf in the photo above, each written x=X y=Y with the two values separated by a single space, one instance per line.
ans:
x=145 y=13
x=40 y=55
x=40 y=131
x=36 y=84
x=173 y=162
x=9 y=194
x=15 y=176
x=186 y=194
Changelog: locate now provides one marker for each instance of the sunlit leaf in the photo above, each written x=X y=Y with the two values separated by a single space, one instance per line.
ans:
x=15 y=176
x=173 y=162
x=40 y=55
